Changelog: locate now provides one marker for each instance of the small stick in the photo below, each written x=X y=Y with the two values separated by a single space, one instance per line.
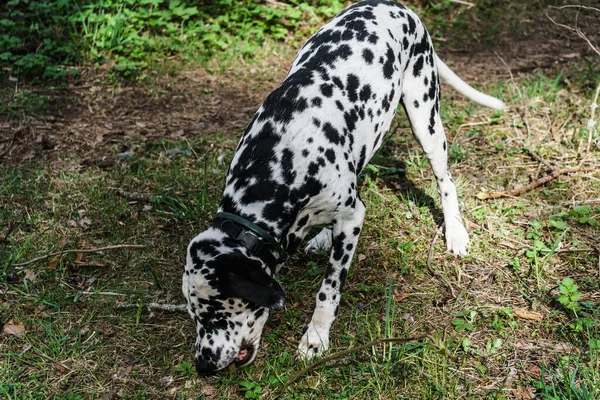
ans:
x=136 y=196
x=538 y=158
x=430 y=268
x=512 y=78
x=54 y=361
x=346 y=352
x=537 y=183
x=579 y=33
x=158 y=306
x=555 y=173
x=464 y=3
x=9 y=230
x=576 y=6
x=97 y=250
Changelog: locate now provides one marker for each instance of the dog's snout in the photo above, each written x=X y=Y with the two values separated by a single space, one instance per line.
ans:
x=205 y=368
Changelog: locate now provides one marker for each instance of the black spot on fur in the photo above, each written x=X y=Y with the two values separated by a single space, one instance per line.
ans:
x=343 y=274
x=352 y=84
x=313 y=169
x=418 y=66
x=338 y=246
x=287 y=164
x=330 y=154
x=351 y=118
x=302 y=222
x=362 y=159
x=368 y=56
x=326 y=89
x=432 y=121
x=388 y=66
x=331 y=133
x=365 y=93
x=337 y=82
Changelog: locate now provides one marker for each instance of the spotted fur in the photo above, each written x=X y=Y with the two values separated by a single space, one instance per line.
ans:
x=296 y=167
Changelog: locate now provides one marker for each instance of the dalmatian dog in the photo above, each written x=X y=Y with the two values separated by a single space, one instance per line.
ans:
x=296 y=168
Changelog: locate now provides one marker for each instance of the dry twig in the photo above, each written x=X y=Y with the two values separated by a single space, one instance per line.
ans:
x=97 y=250
x=344 y=353
x=158 y=306
x=558 y=172
x=434 y=272
x=555 y=173
x=535 y=184
x=464 y=3
x=136 y=196
x=578 y=31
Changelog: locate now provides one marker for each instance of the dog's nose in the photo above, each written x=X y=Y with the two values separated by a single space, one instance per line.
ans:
x=205 y=368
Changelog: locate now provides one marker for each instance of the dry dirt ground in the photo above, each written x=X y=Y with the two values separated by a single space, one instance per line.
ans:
x=92 y=120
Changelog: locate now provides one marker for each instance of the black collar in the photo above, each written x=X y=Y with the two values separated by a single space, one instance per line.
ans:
x=254 y=238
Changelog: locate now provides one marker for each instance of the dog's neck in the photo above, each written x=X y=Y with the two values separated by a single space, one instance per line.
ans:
x=277 y=229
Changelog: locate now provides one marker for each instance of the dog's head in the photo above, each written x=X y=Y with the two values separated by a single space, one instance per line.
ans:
x=228 y=296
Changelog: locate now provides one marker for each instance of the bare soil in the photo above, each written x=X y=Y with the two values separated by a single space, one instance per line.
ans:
x=93 y=120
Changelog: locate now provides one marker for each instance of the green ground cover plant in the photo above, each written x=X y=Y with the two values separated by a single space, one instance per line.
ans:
x=43 y=39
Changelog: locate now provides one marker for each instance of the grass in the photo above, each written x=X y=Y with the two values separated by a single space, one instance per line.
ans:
x=522 y=321
x=88 y=333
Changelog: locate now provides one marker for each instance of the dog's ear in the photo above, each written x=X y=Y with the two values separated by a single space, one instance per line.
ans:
x=239 y=276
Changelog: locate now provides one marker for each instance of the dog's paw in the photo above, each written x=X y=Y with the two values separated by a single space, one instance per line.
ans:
x=321 y=242
x=457 y=238
x=314 y=343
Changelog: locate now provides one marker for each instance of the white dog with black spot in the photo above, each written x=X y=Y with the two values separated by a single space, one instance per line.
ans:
x=296 y=167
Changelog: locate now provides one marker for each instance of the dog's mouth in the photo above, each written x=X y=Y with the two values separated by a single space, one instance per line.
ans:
x=245 y=355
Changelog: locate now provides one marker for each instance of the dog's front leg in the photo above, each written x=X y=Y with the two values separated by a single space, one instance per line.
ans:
x=346 y=230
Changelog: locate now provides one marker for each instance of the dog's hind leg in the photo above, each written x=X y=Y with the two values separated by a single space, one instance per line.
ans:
x=421 y=100
x=345 y=233
x=321 y=242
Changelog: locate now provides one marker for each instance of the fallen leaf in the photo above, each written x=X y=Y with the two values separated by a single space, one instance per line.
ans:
x=525 y=346
x=166 y=380
x=361 y=257
x=523 y=393
x=29 y=275
x=398 y=297
x=54 y=262
x=78 y=258
x=526 y=314
x=10 y=328
x=408 y=318
x=59 y=367
x=533 y=371
x=85 y=222
x=566 y=348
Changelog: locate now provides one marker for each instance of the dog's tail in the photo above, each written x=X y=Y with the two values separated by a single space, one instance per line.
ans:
x=462 y=87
